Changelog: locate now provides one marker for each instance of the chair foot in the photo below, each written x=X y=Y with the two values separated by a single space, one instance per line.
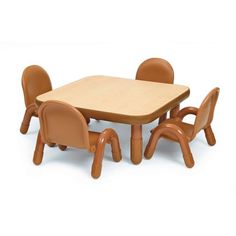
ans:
x=37 y=157
x=187 y=155
x=149 y=150
x=97 y=166
x=24 y=128
x=62 y=147
x=188 y=159
x=210 y=137
x=51 y=144
x=116 y=155
x=148 y=153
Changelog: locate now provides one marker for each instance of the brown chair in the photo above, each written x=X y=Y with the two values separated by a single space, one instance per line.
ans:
x=35 y=81
x=157 y=70
x=177 y=130
x=64 y=124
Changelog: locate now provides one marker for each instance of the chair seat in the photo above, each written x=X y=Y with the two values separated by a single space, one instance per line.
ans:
x=187 y=128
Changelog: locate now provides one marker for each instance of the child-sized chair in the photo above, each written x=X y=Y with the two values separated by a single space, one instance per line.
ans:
x=177 y=130
x=62 y=123
x=157 y=70
x=35 y=81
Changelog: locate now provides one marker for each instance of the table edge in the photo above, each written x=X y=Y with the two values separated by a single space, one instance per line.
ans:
x=127 y=119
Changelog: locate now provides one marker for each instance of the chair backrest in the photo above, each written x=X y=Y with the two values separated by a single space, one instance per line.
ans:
x=156 y=70
x=63 y=124
x=206 y=111
x=35 y=81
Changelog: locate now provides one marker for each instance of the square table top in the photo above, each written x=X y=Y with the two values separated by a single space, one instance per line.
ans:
x=118 y=99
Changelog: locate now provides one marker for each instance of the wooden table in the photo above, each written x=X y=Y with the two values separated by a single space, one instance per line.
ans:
x=133 y=102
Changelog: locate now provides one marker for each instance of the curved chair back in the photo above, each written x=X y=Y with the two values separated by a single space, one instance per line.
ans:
x=35 y=81
x=62 y=123
x=206 y=111
x=156 y=70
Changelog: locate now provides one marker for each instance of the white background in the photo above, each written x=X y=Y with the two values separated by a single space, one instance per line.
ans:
x=73 y=39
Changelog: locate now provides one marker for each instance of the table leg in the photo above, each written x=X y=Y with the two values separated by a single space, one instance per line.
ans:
x=136 y=144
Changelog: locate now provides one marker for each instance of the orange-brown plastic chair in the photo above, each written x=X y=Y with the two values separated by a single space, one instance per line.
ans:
x=64 y=124
x=35 y=81
x=177 y=130
x=157 y=70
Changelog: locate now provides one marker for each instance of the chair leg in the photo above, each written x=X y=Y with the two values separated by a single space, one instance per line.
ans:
x=187 y=155
x=107 y=136
x=98 y=157
x=151 y=146
x=29 y=112
x=115 y=147
x=159 y=131
x=38 y=152
x=162 y=118
x=174 y=111
x=62 y=147
x=210 y=137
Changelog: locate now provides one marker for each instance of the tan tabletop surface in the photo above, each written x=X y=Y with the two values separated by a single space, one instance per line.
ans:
x=117 y=99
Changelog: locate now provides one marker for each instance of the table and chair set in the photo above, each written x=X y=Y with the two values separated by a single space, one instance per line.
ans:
x=64 y=113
